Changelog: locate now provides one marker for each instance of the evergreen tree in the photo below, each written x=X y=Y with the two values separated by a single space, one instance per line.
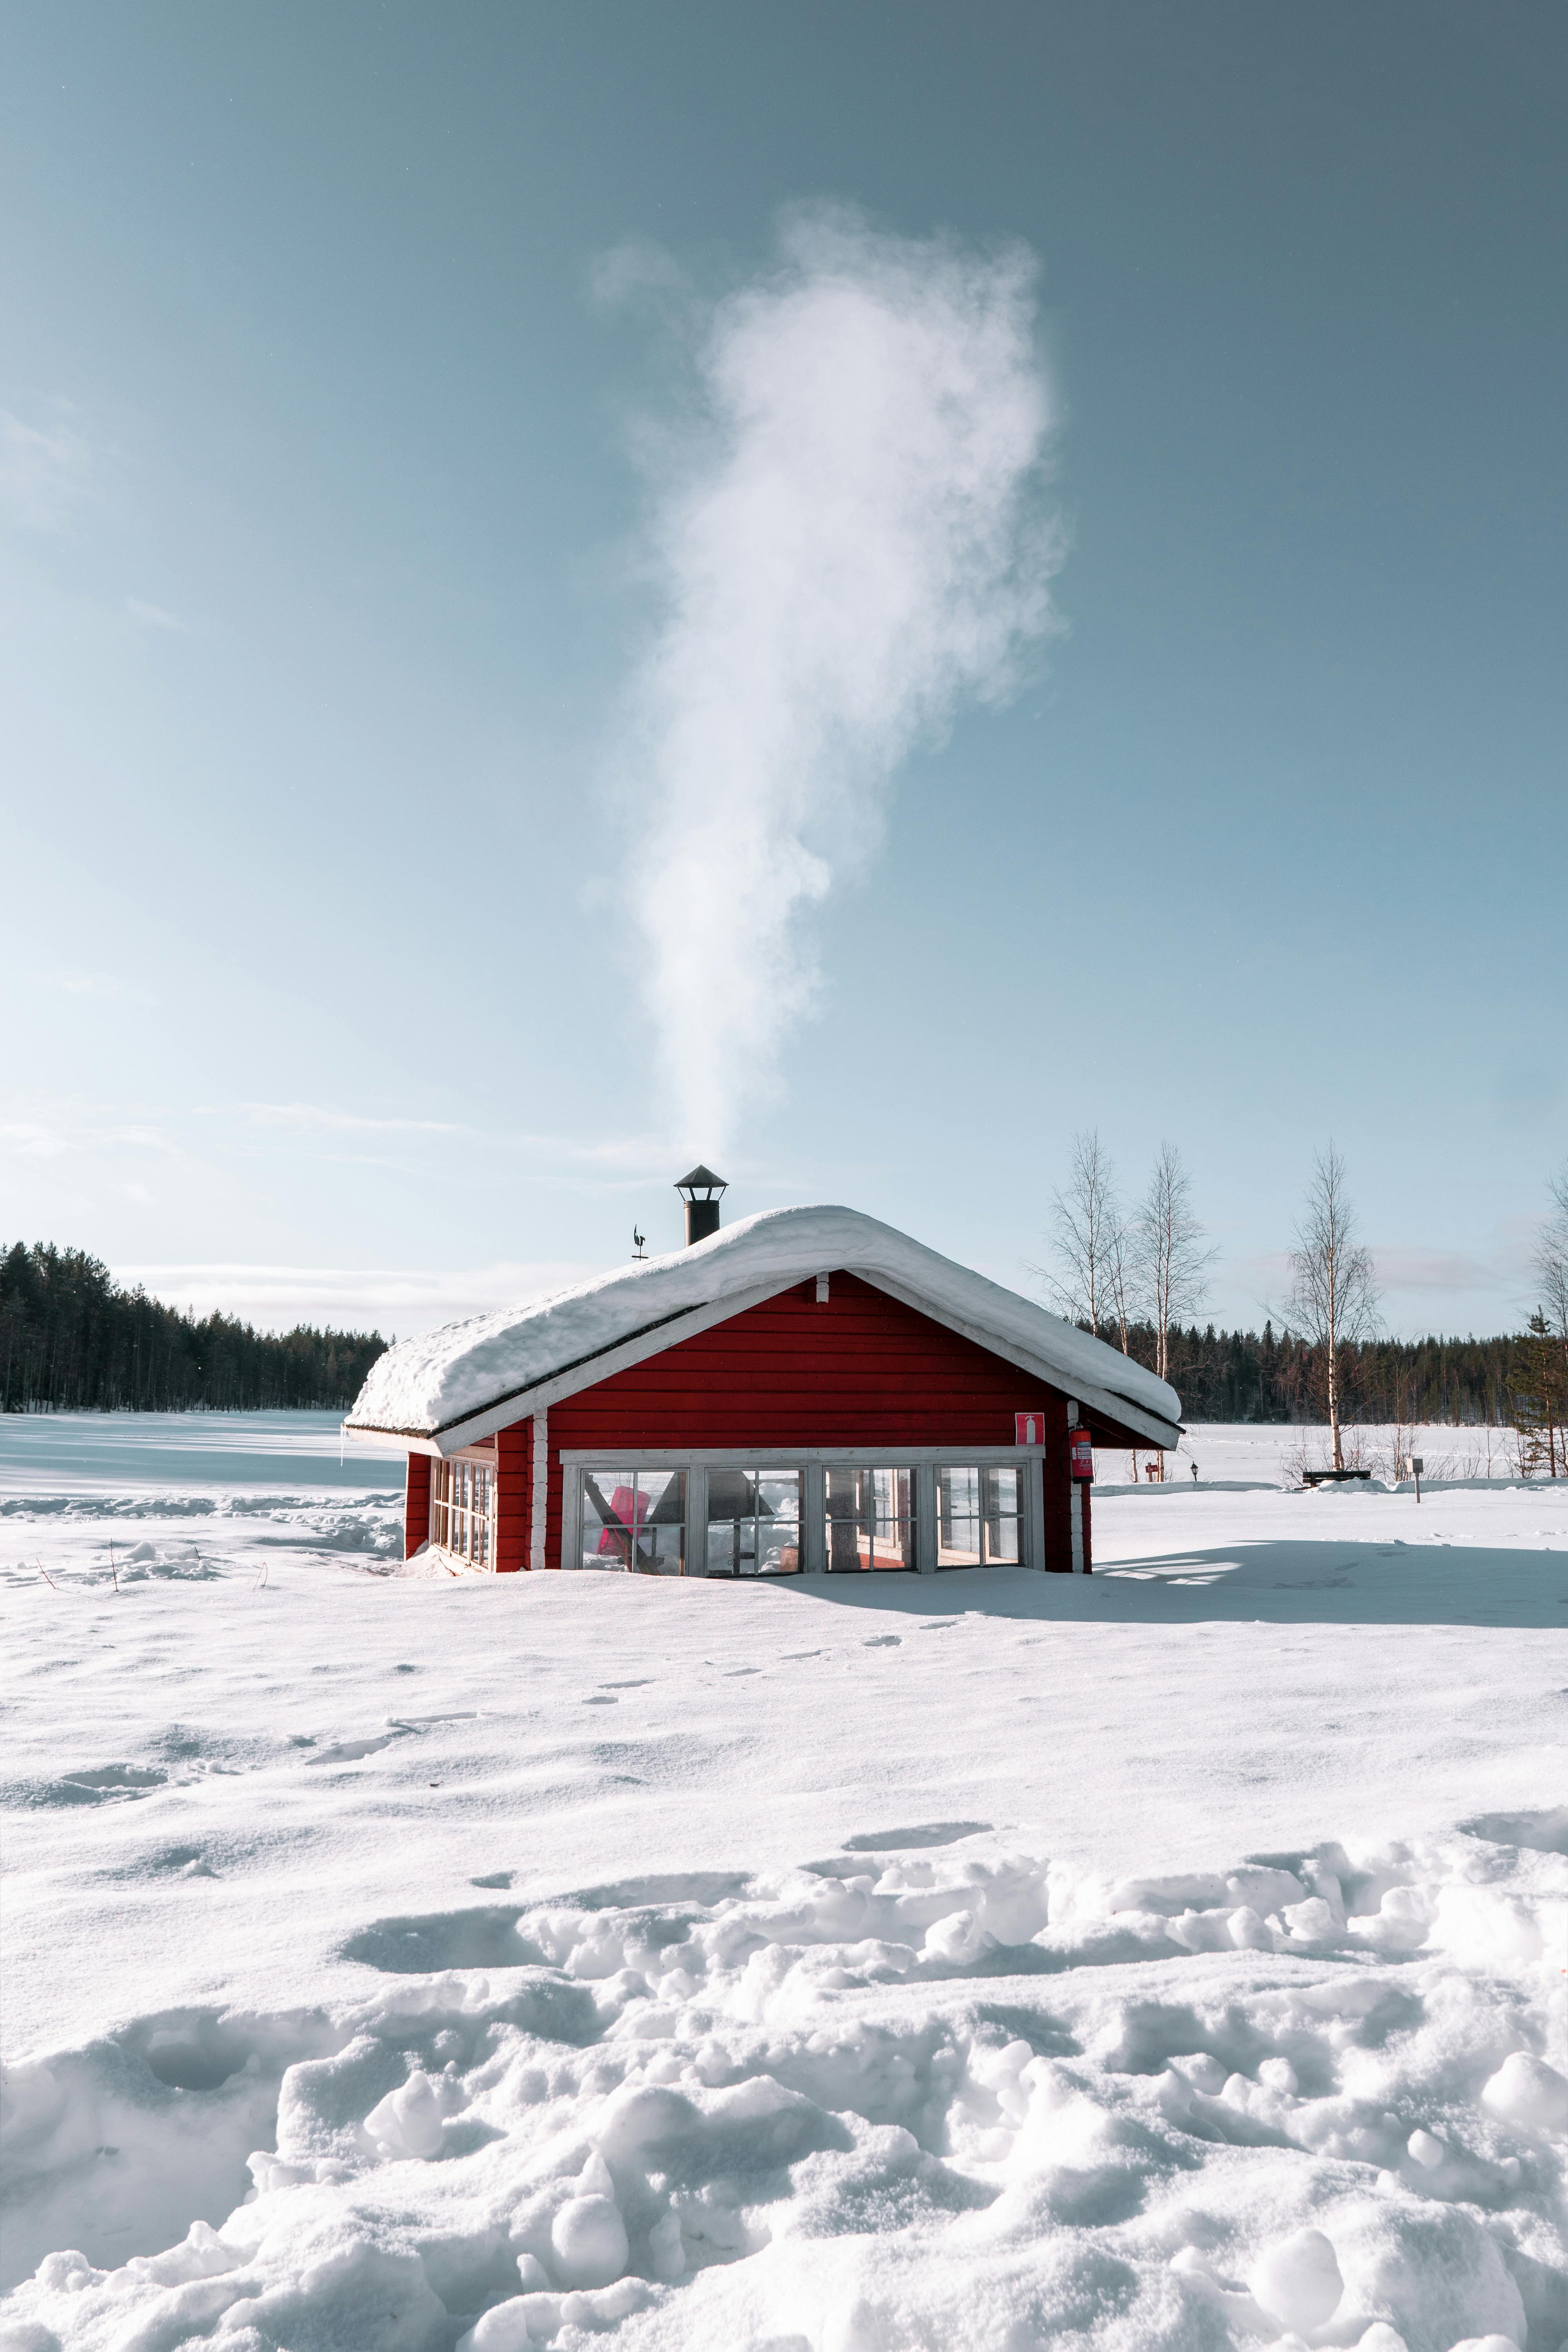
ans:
x=1537 y=1401
x=72 y=1338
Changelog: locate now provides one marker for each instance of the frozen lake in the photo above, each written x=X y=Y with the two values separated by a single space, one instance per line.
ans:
x=82 y=1453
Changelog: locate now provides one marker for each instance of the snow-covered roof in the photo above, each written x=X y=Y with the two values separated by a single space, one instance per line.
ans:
x=469 y=1378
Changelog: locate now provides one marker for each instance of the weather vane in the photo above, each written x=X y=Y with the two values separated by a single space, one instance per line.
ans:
x=638 y=1240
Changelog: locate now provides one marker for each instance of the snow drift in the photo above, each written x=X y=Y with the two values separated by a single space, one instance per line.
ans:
x=942 y=2099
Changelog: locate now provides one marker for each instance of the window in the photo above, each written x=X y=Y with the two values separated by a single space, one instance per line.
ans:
x=978 y=1515
x=670 y=1512
x=871 y=1518
x=462 y=1509
x=634 y=1519
x=753 y=1522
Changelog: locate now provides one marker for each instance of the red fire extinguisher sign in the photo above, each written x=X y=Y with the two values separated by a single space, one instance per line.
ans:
x=1029 y=1429
x=1080 y=1453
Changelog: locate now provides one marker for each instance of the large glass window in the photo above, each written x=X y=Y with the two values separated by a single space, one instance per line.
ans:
x=871 y=1518
x=978 y=1516
x=753 y=1522
x=634 y=1519
x=462 y=1510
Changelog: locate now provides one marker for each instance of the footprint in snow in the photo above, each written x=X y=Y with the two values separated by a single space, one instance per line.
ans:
x=600 y=1698
x=882 y=1642
x=350 y=1751
x=731 y=1672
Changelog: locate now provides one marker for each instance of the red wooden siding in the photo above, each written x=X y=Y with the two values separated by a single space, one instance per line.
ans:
x=514 y=1495
x=862 y=1370
x=416 y=1504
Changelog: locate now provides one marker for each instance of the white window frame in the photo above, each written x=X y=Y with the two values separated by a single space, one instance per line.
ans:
x=812 y=1462
x=463 y=1508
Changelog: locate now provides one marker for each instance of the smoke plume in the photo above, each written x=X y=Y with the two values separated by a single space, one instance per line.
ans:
x=848 y=546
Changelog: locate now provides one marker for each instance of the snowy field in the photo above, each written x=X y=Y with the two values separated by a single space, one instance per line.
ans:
x=1173 y=1958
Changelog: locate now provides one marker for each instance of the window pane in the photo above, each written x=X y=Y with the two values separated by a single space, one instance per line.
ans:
x=732 y=1512
x=871 y=1519
x=1004 y=1502
x=957 y=1518
x=609 y=1517
x=660 y=1523
x=778 y=1523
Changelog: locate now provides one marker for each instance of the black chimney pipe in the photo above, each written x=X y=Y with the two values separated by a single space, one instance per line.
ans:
x=701 y=1190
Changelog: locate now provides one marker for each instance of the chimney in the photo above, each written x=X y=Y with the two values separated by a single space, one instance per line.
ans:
x=701 y=1191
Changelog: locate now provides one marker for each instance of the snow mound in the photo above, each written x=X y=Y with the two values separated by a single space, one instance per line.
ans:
x=932 y=2099
x=427 y=1383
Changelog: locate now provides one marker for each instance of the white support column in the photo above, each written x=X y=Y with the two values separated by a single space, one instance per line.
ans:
x=1075 y=1505
x=1034 y=1511
x=813 y=1503
x=696 y=1520
x=925 y=1519
x=539 y=1517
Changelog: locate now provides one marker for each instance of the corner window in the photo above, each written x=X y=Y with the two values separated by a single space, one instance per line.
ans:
x=462 y=1509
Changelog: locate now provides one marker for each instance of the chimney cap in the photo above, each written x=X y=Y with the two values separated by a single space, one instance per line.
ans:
x=700 y=1179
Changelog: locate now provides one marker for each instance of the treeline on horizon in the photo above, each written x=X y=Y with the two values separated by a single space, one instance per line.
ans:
x=73 y=1339
x=1244 y=1376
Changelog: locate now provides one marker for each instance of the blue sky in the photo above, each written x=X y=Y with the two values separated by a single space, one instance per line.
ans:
x=323 y=573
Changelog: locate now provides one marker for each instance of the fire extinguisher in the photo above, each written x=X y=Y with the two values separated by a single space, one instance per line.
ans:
x=1080 y=1453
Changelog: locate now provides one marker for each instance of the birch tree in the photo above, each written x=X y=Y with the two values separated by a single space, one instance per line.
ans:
x=1172 y=1261
x=1333 y=1298
x=1551 y=1258
x=1087 y=1237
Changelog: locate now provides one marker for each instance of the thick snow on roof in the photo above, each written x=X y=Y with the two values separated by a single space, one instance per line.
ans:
x=424 y=1384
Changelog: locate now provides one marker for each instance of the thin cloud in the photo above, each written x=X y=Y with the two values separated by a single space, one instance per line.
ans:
x=153 y=616
x=388 y=1298
x=315 y=1119
x=1430 y=1269
x=44 y=471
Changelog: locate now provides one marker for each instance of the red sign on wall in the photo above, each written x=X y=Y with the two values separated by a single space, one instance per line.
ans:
x=1029 y=1428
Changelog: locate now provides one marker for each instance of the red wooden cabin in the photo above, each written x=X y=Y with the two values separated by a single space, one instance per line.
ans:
x=806 y=1392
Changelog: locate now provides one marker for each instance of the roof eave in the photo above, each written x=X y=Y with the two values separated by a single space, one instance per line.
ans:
x=514 y=1404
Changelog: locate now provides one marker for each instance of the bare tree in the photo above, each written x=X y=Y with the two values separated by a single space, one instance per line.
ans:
x=1086 y=1235
x=1551 y=1258
x=1333 y=1297
x=1120 y=1277
x=1169 y=1255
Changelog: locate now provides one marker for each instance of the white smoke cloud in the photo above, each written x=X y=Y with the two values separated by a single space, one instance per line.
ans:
x=849 y=545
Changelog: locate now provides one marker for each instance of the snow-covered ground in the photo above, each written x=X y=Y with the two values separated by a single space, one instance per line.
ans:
x=1171 y=1958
